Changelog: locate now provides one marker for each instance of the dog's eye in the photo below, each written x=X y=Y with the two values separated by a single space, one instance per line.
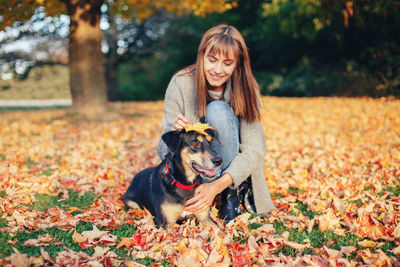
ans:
x=195 y=144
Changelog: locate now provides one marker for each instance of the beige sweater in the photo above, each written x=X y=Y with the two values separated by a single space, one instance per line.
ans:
x=180 y=98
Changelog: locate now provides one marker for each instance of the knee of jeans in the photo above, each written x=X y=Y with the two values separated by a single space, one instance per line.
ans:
x=218 y=106
x=218 y=110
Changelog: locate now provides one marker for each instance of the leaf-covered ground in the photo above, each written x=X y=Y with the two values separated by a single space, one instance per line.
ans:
x=332 y=166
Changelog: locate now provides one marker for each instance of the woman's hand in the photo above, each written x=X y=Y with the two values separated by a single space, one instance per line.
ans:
x=203 y=198
x=205 y=193
x=180 y=123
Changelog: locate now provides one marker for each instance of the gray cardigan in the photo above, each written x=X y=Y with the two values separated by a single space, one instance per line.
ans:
x=180 y=98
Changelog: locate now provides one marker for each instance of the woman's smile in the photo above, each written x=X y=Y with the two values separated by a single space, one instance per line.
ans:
x=216 y=77
x=218 y=68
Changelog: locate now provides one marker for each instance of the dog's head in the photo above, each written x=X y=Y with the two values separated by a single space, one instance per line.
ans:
x=195 y=151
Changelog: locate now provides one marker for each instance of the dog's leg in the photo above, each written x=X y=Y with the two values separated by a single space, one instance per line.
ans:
x=170 y=212
x=129 y=199
x=161 y=222
x=131 y=204
x=163 y=219
x=204 y=218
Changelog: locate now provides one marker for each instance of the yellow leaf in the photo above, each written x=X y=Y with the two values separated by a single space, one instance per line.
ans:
x=198 y=127
x=396 y=232
x=72 y=209
x=367 y=243
x=192 y=255
x=214 y=212
x=77 y=237
x=320 y=207
x=220 y=246
x=181 y=246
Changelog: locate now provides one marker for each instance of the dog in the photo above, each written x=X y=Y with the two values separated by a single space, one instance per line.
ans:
x=164 y=189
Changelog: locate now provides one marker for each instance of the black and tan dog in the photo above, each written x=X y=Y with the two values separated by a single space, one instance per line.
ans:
x=163 y=190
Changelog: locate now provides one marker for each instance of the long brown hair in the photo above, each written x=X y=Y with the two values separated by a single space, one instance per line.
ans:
x=222 y=39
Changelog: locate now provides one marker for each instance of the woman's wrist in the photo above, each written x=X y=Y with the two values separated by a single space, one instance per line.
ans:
x=223 y=182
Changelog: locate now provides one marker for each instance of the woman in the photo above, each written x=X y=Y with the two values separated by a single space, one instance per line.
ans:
x=221 y=89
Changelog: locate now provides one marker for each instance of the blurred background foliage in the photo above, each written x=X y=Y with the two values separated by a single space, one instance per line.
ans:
x=297 y=47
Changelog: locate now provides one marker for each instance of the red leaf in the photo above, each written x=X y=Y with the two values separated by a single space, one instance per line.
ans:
x=140 y=240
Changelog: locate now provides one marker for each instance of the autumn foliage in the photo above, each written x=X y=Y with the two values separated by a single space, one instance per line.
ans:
x=22 y=11
x=332 y=166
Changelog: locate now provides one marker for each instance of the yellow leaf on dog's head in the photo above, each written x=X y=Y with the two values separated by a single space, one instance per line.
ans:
x=199 y=127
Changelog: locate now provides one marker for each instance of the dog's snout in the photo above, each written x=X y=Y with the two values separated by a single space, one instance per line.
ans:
x=217 y=161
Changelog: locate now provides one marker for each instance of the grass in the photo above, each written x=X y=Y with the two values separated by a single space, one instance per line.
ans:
x=294 y=190
x=64 y=241
x=47 y=172
x=3 y=222
x=394 y=190
x=44 y=202
x=316 y=239
x=45 y=82
x=29 y=163
x=390 y=189
x=303 y=208
x=64 y=237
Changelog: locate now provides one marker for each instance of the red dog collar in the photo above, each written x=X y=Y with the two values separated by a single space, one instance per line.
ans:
x=175 y=182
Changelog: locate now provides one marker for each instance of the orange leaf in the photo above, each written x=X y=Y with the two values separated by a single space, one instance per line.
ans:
x=126 y=241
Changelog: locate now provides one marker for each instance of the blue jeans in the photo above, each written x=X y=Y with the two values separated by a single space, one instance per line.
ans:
x=221 y=117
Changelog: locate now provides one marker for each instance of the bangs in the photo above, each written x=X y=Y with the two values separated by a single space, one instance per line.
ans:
x=223 y=45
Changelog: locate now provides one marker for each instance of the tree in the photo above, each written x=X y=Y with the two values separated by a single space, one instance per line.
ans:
x=124 y=40
x=44 y=42
x=87 y=76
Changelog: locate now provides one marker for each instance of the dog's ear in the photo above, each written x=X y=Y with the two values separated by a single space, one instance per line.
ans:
x=172 y=139
x=214 y=134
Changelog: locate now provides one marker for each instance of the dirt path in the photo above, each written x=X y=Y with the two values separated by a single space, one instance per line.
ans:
x=35 y=103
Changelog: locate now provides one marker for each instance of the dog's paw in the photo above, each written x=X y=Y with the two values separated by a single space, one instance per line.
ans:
x=132 y=204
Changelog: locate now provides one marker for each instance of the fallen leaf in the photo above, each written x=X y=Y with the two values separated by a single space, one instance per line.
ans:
x=347 y=250
x=296 y=245
x=77 y=238
x=126 y=242
x=367 y=243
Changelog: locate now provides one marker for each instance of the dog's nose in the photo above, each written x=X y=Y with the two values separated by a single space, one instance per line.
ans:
x=217 y=161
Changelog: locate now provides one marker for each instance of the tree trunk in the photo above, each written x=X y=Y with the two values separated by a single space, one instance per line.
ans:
x=112 y=63
x=112 y=59
x=112 y=76
x=88 y=87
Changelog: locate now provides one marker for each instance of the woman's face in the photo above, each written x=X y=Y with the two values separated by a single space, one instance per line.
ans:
x=218 y=68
